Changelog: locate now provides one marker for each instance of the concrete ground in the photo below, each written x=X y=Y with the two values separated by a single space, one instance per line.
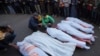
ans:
x=20 y=24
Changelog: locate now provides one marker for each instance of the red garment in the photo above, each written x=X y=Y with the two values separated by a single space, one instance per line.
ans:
x=89 y=7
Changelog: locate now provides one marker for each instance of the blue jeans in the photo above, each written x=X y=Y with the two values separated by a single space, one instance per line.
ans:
x=66 y=11
x=73 y=12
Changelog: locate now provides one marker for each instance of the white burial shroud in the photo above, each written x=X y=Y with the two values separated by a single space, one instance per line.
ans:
x=80 y=22
x=60 y=35
x=28 y=49
x=50 y=45
x=72 y=31
x=78 y=26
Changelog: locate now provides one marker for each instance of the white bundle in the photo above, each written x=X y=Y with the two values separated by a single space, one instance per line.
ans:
x=50 y=45
x=72 y=31
x=80 y=22
x=28 y=49
x=65 y=37
x=78 y=26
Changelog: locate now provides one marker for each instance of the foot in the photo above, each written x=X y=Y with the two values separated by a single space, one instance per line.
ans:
x=13 y=45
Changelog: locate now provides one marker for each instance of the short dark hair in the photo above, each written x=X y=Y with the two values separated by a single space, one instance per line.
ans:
x=4 y=28
x=35 y=14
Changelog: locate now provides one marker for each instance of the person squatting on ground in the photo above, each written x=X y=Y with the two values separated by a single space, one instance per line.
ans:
x=7 y=36
x=35 y=22
x=47 y=20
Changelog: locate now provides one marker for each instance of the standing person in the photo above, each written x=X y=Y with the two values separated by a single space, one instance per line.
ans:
x=66 y=7
x=47 y=20
x=23 y=6
x=31 y=5
x=9 y=7
x=48 y=6
x=61 y=7
x=80 y=7
x=42 y=6
x=37 y=6
x=6 y=39
x=84 y=9
x=35 y=22
x=16 y=5
x=55 y=7
x=89 y=8
x=73 y=12
x=1 y=7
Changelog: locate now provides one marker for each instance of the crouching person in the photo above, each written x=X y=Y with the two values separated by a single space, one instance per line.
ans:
x=47 y=20
x=35 y=22
x=6 y=37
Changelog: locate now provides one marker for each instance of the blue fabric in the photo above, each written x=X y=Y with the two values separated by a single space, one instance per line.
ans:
x=74 y=2
x=73 y=12
x=33 y=23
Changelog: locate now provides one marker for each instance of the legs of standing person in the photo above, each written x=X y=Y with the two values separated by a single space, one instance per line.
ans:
x=32 y=9
x=37 y=7
x=42 y=6
x=61 y=11
x=66 y=11
x=73 y=11
x=55 y=9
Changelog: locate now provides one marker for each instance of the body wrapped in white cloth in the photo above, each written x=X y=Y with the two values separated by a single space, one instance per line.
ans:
x=50 y=45
x=74 y=32
x=78 y=26
x=84 y=24
x=60 y=35
x=28 y=49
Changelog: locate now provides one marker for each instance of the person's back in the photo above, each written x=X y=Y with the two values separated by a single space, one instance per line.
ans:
x=6 y=40
x=47 y=20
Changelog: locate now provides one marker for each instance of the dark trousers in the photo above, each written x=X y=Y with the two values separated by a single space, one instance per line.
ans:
x=66 y=11
x=61 y=11
x=33 y=28
x=55 y=8
x=73 y=12
x=5 y=42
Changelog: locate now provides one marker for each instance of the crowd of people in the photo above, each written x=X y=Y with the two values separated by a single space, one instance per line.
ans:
x=70 y=33
x=76 y=8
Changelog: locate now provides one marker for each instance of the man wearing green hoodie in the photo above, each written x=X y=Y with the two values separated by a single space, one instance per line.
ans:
x=47 y=20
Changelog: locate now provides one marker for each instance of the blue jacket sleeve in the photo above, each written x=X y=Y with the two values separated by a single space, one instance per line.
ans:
x=32 y=22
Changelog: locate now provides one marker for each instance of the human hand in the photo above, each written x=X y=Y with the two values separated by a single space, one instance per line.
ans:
x=40 y=24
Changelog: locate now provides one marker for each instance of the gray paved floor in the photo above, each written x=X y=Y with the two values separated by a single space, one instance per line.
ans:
x=20 y=24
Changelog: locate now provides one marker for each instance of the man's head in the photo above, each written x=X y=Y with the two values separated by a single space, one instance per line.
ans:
x=5 y=28
x=36 y=15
